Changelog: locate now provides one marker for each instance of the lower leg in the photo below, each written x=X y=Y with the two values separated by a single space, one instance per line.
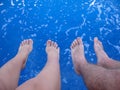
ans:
x=99 y=78
x=103 y=59
x=9 y=73
x=95 y=77
x=49 y=77
x=51 y=71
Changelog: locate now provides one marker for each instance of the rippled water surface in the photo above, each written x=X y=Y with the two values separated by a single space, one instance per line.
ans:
x=61 y=21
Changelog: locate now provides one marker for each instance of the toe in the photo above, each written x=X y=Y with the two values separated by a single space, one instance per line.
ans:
x=27 y=41
x=30 y=41
x=24 y=42
x=49 y=43
x=52 y=43
x=73 y=44
x=55 y=45
x=97 y=42
x=95 y=39
x=100 y=42
x=58 y=49
x=79 y=40
x=76 y=42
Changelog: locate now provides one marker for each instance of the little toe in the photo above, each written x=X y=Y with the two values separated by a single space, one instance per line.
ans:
x=71 y=46
x=74 y=43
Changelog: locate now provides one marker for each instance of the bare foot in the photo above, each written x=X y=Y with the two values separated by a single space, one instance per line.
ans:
x=101 y=55
x=77 y=51
x=52 y=51
x=24 y=49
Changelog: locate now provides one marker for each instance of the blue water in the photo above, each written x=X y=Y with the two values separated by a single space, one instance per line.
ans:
x=61 y=21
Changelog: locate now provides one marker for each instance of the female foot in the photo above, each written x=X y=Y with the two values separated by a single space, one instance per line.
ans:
x=25 y=48
x=52 y=51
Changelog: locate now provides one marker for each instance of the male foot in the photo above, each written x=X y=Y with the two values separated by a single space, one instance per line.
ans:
x=52 y=51
x=78 y=57
x=101 y=55
x=25 y=48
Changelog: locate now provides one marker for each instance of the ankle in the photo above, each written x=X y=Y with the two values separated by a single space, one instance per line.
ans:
x=53 y=57
x=22 y=54
x=52 y=60
x=21 y=57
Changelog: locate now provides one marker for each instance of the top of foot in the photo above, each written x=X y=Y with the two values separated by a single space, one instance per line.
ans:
x=24 y=50
x=52 y=50
x=77 y=48
x=99 y=48
x=77 y=51
x=98 y=45
x=26 y=46
x=101 y=54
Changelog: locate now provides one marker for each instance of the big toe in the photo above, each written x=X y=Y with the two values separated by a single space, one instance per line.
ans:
x=97 y=43
x=30 y=41
x=79 y=41
x=95 y=39
x=49 y=43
